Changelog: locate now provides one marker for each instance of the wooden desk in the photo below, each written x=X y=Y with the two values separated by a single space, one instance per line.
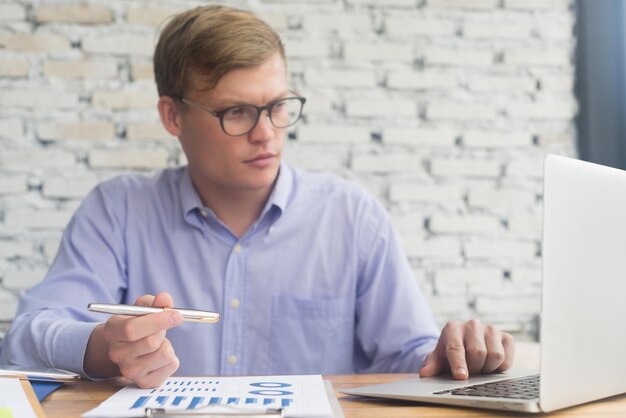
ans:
x=72 y=400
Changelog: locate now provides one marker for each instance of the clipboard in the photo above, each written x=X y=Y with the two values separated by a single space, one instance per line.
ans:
x=36 y=374
x=30 y=396
x=227 y=397
x=209 y=412
x=44 y=381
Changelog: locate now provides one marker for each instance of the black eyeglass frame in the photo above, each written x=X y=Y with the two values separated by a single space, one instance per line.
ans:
x=220 y=113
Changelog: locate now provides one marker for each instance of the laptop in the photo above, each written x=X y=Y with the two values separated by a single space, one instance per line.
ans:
x=583 y=343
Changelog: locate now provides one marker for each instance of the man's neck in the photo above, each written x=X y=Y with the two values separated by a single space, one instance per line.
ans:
x=237 y=209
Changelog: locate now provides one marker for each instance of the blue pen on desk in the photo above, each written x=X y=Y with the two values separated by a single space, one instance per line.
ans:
x=192 y=315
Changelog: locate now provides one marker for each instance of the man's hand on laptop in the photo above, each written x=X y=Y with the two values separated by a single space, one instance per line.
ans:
x=469 y=348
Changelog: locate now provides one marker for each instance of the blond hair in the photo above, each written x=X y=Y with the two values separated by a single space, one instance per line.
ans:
x=211 y=41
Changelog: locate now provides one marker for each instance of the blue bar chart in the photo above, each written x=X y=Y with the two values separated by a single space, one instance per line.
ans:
x=298 y=395
x=197 y=401
x=267 y=394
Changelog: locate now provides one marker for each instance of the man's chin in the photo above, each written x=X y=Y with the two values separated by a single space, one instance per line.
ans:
x=260 y=180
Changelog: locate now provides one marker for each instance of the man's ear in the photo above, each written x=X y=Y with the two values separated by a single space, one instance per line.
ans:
x=170 y=115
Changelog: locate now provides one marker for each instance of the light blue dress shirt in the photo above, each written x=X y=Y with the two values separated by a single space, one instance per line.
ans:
x=319 y=284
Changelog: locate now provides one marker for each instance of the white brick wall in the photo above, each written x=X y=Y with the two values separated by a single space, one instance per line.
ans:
x=75 y=130
x=10 y=11
x=13 y=248
x=38 y=98
x=85 y=69
x=457 y=167
x=68 y=187
x=434 y=193
x=121 y=45
x=444 y=109
x=81 y=13
x=13 y=184
x=422 y=137
x=11 y=128
x=8 y=305
x=34 y=42
x=20 y=279
x=26 y=159
x=128 y=158
x=26 y=218
x=333 y=134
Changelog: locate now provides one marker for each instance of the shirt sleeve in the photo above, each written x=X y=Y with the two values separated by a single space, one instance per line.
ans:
x=52 y=325
x=395 y=329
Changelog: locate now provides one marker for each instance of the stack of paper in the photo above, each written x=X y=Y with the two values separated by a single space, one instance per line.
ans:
x=43 y=381
x=300 y=396
x=14 y=402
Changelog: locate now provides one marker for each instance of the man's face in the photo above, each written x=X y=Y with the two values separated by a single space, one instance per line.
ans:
x=235 y=163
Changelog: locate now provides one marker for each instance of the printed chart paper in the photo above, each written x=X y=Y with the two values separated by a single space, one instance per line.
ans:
x=301 y=396
x=13 y=400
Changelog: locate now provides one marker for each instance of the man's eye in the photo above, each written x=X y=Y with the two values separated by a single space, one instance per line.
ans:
x=234 y=112
x=279 y=105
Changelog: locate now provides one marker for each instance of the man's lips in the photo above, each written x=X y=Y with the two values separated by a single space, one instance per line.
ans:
x=261 y=157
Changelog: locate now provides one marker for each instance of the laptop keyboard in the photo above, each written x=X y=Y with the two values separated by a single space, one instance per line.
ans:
x=519 y=388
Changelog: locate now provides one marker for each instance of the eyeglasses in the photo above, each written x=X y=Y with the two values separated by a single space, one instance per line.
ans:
x=242 y=119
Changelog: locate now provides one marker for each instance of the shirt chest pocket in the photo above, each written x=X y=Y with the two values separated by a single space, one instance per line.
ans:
x=311 y=336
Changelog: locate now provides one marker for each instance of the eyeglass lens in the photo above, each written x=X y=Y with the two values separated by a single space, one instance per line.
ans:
x=242 y=119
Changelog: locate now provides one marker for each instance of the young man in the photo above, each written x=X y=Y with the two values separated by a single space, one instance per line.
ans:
x=304 y=268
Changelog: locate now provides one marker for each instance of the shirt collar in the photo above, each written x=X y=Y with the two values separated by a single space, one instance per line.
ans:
x=282 y=189
x=190 y=200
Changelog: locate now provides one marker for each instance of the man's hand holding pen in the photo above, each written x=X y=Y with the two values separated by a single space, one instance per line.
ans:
x=135 y=347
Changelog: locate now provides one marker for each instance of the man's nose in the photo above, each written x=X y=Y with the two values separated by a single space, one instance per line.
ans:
x=264 y=130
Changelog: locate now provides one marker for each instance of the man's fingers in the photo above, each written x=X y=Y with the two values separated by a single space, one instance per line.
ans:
x=435 y=361
x=138 y=346
x=157 y=377
x=476 y=350
x=495 y=350
x=121 y=328
x=509 y=352
x=163 y=299
x=118 y=328
x=455 y=350
x=144 y=300
x=469 y=348
x=126 y=351
x=448 y=355
x=151 y=369
x=431 y=366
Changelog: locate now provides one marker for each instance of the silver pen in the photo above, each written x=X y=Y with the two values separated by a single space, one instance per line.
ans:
x=192 y=315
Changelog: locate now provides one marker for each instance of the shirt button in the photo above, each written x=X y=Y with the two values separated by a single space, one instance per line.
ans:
x=270 y=229
x=203 y=213
x=234 y=303
x=232 y=359
x=237 y=248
